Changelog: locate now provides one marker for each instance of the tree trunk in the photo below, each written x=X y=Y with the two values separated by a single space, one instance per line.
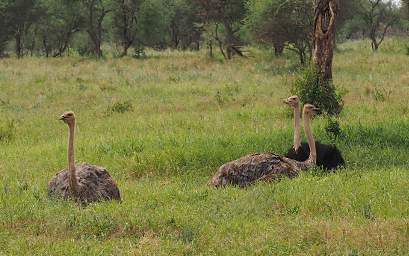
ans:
x=374 y=44
x=278 y=49
x=324 y=38
x=210 y=47
x=323 y=52
x=229 y=41
x=95 y=31
x=19 y=47
x=301 y=55
x=219 y=41
x=45 y=46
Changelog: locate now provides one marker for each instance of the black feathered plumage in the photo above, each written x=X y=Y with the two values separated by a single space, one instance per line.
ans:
x=328 y=156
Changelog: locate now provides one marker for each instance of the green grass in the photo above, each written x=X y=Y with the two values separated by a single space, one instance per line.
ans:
x=163 y=125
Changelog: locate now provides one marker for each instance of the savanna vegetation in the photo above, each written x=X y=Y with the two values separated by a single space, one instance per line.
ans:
x=166 y=91
x=163 y=125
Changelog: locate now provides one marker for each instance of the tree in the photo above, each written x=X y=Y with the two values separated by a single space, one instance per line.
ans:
x=5 y=31
x=22 y=14
x=125 y=22
x=283 y=24
x=56 y=28
x=153 y=25
x=95 y=12
x=326 y=12
x=324 y=37
x=222 y=20
x=405 y=5
x=183 y=29
x=378 y=17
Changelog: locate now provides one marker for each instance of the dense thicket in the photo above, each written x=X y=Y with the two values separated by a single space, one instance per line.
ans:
x=59 y=27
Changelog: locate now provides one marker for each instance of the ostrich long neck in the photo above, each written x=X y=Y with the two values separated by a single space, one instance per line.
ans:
x=312 y=159
x=71 y=163
x=297 y=128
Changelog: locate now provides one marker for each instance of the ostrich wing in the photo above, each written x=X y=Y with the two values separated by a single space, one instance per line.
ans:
x=95 y=184
x=248 y=169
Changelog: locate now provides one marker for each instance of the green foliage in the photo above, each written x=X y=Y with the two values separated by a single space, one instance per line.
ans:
x=405 y=5
x=310 y=90
x=163 y=153
x=7 y=130
x=380 y=94
x=139 y=52
x=50 y=28
x=333 y=128
x=221 y=22
x=56 y=28
x=125 y=18
x=81 y=44
x=121 y=107
x=5 y=33
x=153 y=23
x=281 y=24
x=183 y=28
x=373 y=19
x=18 y=16
x=94 y=12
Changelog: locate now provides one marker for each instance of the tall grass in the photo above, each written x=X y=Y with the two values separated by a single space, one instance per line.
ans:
x=163 y=125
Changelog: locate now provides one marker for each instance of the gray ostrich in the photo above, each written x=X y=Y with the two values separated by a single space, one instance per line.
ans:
x=85 y=182
x=266 y=166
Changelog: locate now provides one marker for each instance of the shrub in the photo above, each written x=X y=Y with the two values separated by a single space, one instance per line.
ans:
x=333 y=129
x=310 y=90
x=7 y=131
x=381 y=95
x=139 y=52
x=121 y=107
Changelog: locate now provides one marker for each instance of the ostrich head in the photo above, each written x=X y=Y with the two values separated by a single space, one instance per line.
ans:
x=292 y=101
x=68 y=117
x=310 y=110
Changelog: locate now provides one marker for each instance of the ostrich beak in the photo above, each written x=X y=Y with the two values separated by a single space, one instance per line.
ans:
x=285 y=101
x=61 y=118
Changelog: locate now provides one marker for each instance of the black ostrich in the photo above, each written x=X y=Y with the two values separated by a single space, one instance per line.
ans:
x=267 y=166
x=329 y=157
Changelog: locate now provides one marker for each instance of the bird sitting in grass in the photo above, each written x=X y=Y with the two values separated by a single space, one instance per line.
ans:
x=266 y=166
x=85 y=182
x=329 y=157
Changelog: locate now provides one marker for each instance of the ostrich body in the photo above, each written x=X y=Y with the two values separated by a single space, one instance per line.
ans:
x=329 y=157
x=266 y=166
x=84 y=182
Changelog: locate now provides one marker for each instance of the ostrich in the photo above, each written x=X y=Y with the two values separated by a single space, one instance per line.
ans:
x=84 y=182
x=266 y=166
x=328 y=156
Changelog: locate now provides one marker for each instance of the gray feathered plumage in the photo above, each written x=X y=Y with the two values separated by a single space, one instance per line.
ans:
x=251 y=168
x=266 y=166
x=95 y=184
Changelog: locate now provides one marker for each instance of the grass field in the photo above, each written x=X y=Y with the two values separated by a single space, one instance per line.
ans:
x=163 y=125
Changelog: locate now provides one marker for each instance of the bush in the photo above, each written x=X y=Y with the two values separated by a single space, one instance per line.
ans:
x=7 y=131
x=121 y=107
x=139 y=52
x=333 y=129
x=310 y=90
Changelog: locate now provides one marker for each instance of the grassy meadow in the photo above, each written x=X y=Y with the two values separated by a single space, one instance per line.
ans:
x=163 y=125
